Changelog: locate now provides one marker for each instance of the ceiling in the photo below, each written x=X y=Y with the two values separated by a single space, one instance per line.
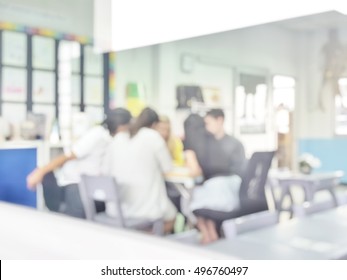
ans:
x=326 y=20
x=69 y=16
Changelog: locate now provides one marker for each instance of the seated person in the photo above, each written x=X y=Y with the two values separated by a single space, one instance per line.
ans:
x=174 y=144
x=175 y=147
x=86 y=157
x=221 y=159
x=138 y=161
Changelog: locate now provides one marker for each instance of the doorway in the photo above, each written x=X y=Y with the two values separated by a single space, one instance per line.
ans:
x=284 y=105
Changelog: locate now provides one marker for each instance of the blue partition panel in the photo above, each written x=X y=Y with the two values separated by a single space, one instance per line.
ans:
x=15 y=165
x=331 y=152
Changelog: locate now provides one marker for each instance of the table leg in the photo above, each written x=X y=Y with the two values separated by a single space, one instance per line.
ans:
x=309 y=191
x=334 y=196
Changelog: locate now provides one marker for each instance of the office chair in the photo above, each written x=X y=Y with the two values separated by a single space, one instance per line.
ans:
x=53 y=194
x=252 y=191
x=106 y=189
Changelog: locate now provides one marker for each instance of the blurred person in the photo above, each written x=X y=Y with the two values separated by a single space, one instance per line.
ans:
x=174 y=144
x=226 y=154
x=221 y=160
x=195 y=142
x=86 y=157
x=139 y=160
x=175 y=147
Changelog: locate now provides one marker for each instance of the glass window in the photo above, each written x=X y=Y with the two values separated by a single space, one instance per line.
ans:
x=93 y=87
x=283 y=101
x=43 y=87
x=76 y=89
x=43 y=53
x=14 y=84
x=284 y=92
x=283 y=82
x=92 y=62
x=14 y=113
x=14 y=48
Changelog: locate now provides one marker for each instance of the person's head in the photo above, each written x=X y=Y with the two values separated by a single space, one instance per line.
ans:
x=117 y=120
x=147 y=118
x=164 y=127
x=214 y=122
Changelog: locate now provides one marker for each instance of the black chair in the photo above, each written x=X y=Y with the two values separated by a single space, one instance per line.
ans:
x=52 y=193
x=252 y=191
x=56 y=199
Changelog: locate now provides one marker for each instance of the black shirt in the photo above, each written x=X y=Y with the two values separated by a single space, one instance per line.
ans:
x=223 y=157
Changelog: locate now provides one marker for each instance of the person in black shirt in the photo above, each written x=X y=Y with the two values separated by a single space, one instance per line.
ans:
x=225 y=154
x=222 y=161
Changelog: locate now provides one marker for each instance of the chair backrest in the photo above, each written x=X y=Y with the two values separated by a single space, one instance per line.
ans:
x=101 y=188
x=252 y=189
x=308 y=208
x=234 y=227
x=52 y=193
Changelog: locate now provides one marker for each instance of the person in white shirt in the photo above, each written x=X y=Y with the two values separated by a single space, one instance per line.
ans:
x=139 y=160
x=86 y=157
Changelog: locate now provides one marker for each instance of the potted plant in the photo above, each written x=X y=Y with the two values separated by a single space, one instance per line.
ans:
x=307 y=163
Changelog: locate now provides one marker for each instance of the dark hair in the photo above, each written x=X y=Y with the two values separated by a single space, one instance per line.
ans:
x=147 y=118
x=216 y=113
x=115 y=118
x=196 y=137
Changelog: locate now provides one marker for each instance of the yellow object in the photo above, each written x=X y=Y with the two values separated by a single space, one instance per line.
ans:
x=135 y=106
x=176 y=151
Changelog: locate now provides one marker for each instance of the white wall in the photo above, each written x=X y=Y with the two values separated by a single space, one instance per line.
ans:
x=134 y=65
x=74 y=17
x=264 y=49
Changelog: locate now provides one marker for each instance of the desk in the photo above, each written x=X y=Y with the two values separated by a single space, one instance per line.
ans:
x=311 y=183
x=319 y=236
x=181 y=175
x=184 y=183
x=30 y=234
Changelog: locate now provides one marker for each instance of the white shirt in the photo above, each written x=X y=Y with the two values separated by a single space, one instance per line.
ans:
x=138 y=165
x=90 y=151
